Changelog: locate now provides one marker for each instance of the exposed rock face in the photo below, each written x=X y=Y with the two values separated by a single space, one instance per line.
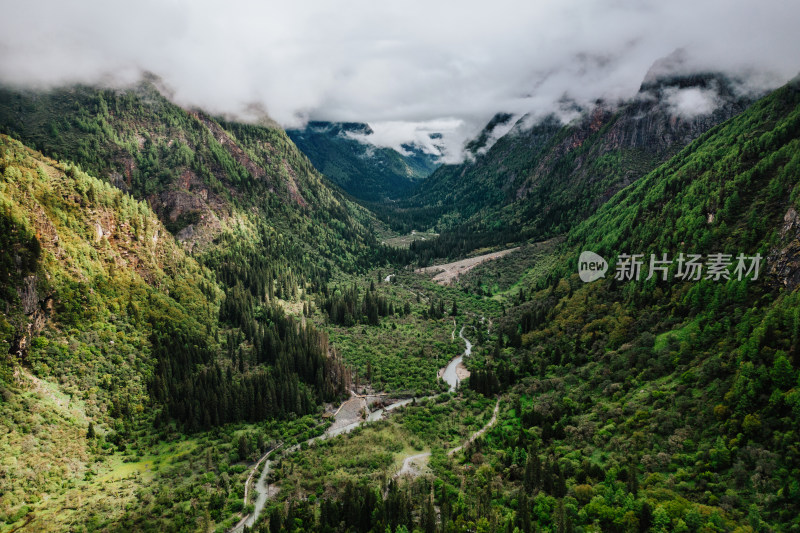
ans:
x=223 y=138
x=36 y=311
x=679 y=108
x=669 y=112
x=653 y=123
x=784 y=260
x=28 y=296
x=604 y=147
x=191 y=211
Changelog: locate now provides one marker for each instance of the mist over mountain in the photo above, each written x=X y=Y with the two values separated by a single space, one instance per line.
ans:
x=544 y=175
x=343 y=153
x=400 y=268
x=189 y=292
x=408 y=64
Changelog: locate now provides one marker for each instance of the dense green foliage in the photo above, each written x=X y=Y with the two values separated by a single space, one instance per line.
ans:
x=635 y=406
x=261 y=219
x=184 y=349
x=100 y=299
x=402 y=353
x=210 y=181
x=137 y=330
x=544 y=177
x=145 y=371
x=361 y=461
x=665 y=405
x=347 y=307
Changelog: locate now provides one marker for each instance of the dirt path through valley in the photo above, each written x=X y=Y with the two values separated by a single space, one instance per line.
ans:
x=412 y=464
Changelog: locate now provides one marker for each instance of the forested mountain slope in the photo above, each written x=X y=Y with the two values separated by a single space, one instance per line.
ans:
x=156 y=295
x=664 y=404
x=626 y=405
x=242 y=198
x=144 y=292
x=543 y=177
x=201 y=175
x=104 y=306
x=367 y=172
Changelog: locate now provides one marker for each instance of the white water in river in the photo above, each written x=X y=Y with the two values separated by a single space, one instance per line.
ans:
x=449 y=375
x=263 y=495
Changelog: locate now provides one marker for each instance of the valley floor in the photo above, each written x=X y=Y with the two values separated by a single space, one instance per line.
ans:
x=353 y=413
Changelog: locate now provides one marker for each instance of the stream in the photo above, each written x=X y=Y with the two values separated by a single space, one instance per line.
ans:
x=449 y=374
x=263 y=490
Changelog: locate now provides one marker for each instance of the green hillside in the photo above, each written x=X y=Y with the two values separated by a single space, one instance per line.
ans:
x=543 y=177
x=182 y=294
x=108 y=318
x=626 y=405
x=162 y=308
x=666 y=404
x=201 y=175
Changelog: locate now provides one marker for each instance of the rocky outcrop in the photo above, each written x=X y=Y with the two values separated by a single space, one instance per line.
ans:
x=192 y=213
x=224 y=139
x=669 y=112
x=783 y=261
x=37 y=312
x=28 y=296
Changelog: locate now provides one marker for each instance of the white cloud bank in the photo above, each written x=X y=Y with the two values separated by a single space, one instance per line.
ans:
x=401 y=66
x=691 y=102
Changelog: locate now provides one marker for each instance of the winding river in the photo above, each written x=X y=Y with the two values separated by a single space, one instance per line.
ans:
x=450 y=374
x=264 y=491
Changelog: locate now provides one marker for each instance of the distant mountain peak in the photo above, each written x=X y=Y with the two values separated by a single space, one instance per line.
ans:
x=667 y=67
x=342 y=151
x=674 y=72
x=339 y=128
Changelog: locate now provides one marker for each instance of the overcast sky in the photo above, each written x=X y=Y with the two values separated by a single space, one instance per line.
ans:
x=407 y=67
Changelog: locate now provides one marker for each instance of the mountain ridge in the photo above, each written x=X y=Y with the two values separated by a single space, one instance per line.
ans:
x=369 y=173
x=576 y=166
x=155 y=364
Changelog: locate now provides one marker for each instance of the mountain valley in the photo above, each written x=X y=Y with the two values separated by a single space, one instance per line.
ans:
x=215 y=325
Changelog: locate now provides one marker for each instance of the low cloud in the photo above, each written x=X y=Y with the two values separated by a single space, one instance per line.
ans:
x=444 y=138
x=413 y=62
x=691 y=102
x=497 y=132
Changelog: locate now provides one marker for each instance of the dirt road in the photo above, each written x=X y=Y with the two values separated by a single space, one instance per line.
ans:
x=481 y=431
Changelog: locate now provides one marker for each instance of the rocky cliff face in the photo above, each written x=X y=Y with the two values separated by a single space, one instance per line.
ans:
x=67 y=242
x=783 y=261
x=194 y=170
x=666 y=115
x=674 y=110
x=512 y=188
x=37 y=311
